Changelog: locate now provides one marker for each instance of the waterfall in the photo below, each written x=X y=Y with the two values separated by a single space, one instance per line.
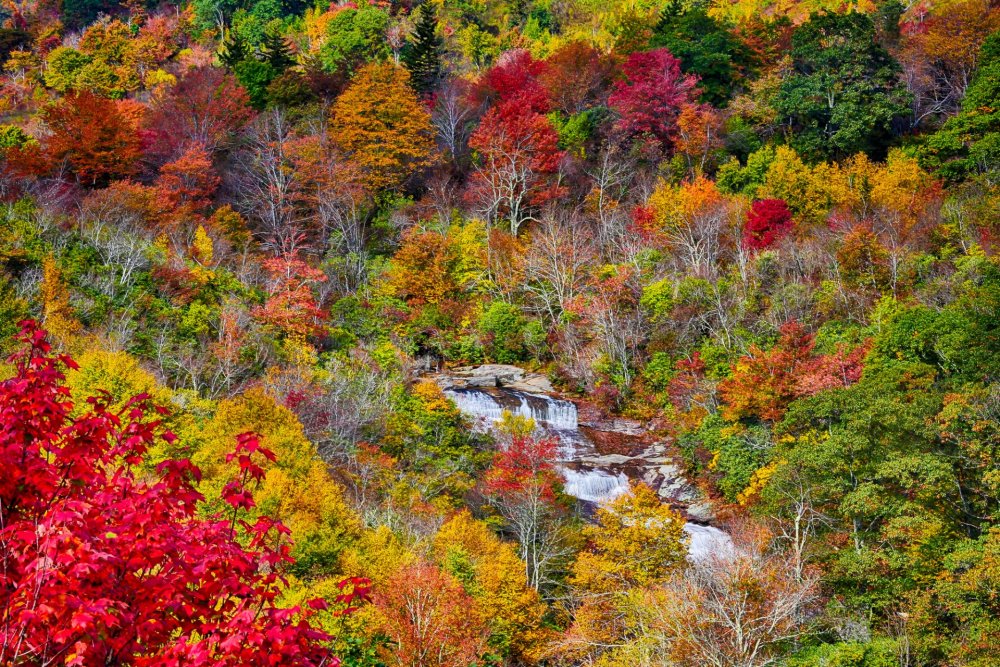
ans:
x=583 y=479
x=488 y=407
x=708 y=542
x=596 y=486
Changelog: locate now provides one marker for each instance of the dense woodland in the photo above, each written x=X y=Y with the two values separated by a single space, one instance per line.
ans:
x=233 y=233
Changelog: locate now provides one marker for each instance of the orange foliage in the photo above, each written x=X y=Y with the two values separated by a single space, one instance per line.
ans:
x=432 y=622
x=94 y=136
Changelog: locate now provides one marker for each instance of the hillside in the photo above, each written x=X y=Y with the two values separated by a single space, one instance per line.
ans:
x=533 y=332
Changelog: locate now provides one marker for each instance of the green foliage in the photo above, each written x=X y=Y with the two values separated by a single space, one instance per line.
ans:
x=502 y=327
x=969 y=143
x=355 y=37
x=844 y=94
x=879 y=652
x=256 y=76
x=64 y=66
x=11 y=136
x=705 y=48
x=422 y=55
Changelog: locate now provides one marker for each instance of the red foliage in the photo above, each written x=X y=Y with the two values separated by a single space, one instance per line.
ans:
x=768 y=220
x=292 y=307
x=515 y=76
x=517 y=147
x=526 y=463
x=93 y=136
x=763 y=384
x=649 y=101
x=100 y=564
x=431 y=620
x=577 y=76
x=188 y=183
x=206 y=108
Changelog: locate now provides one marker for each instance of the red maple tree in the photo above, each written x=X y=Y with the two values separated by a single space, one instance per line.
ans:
x=649 y=101
x=105 y=563
x=768 y=220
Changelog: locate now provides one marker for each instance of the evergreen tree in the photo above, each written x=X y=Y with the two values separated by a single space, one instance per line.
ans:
x=233 y=50
x=276 y=52
x=423 y=58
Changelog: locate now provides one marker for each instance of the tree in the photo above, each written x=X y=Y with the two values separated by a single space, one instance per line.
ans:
x=93 y=137
x=694 y=220
x=189 y=182
x=494 y=576
x=431 y=621
x=638 y=541
x=291 y=308
x=742 y=609
x=382 y=126
x=706 y=49
x=517 y=153
x=768 y=220
x=844 y=95
x=423 y=57
x=576 y=76
x=649 y=100
x=941 y=58
x=206 y=108
x=355 y=36
x=521 y=484
x=106 y=564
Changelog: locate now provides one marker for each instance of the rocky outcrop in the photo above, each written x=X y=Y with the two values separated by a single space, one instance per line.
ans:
x=495 y=376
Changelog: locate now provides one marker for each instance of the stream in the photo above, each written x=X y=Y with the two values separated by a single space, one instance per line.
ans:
x=598 y=461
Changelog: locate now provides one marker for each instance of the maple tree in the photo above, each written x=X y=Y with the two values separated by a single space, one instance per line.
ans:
x=93 y=136
x=432 y=622
x=522 y=484
x=382 y=125
x=649 y=100
x=206 y=108
x=518 y=152
x=103 y=564
x=768 y=220
x=291 y=307
x=763 y=383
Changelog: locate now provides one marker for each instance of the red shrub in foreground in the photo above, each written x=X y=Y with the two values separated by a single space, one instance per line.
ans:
x=101 y=564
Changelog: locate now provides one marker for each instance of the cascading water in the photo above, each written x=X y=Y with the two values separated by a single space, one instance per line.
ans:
x=584 y=479
x=549 y=413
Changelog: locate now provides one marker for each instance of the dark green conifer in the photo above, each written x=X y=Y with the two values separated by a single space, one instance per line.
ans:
x=233 y=50
x=423 y=57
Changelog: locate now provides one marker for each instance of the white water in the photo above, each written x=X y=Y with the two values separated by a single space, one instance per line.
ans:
x=594 y=485
x=708 y=543
x=548 y=413
x=584 y=481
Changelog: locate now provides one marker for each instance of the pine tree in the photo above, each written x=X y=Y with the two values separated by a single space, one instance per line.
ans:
x=423 y=58
x=276 y=52
x=232 y=51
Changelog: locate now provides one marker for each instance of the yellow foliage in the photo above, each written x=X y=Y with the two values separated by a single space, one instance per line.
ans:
x=297 y=488
x=57 y=315
x=432 y=397
x=382 y=124
x=515 y=426
x=118 y=373
x=378 y=554
x=810 y=192
x=500 y=585
x=638 y=541
x=758 y=481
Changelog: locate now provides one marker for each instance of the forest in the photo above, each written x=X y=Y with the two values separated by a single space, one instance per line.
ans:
x=255 y=256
